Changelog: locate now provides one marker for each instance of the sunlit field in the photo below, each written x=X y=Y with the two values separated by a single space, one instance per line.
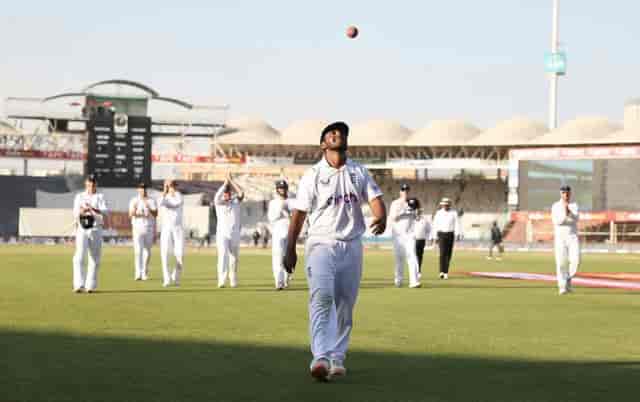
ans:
x=465 y=339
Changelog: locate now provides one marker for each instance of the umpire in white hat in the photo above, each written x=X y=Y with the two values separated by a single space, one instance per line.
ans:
x=445 y=230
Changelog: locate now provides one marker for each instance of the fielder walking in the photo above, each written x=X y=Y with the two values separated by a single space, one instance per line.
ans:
x=89 y=211
x=402 y=215
x=228 y=231
x=143 y=212
x=565 y=217
x=331 y=193
x=422 y=232
x=171 y=233
x=445 y=230
x=279 y=214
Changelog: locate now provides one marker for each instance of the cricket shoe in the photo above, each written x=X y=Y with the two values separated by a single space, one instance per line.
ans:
x=415 y=286
x=441 y=275
x=445 y=276
x=320 y=370
x=563 y=292
x=337 y=369
x=78 y=290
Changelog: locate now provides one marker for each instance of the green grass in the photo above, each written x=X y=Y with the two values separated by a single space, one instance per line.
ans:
x=465 y=339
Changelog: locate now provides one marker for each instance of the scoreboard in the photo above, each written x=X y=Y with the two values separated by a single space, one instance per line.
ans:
x=119 y=150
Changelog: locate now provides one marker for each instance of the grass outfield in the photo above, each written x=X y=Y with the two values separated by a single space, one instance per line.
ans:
x=466 y=339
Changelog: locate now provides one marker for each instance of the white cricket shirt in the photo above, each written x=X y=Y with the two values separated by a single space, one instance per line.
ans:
x=401 y=218
x=227 y=214
x=95 y=200
x=445 y=221
x=171 y=210
x=279 y=214
x=142 y=206
x=422 y=228
x=332 y=199
x=563 y=223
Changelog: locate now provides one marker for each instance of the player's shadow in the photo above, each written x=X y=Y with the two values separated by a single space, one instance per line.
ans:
x=38 y=366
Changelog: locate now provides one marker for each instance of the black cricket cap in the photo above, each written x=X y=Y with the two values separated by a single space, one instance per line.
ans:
x=91 y=178
x=281 y=184
x=565 y=188
x=405 y=187
x=413 y=203
x=339 y=126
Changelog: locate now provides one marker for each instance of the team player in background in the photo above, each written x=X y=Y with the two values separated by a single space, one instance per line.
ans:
x=422 y=231
x=279 y=214
x=171 y=232
x=445 y=230
x=227 y=201
x=402 y=216
x=331 y=194
x=89 y=211
x=565 y=217
x=143 y=212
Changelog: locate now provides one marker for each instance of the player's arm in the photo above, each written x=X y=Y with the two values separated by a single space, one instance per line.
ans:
x=78 y=208
x=295 y=227
x=132 y=209
x=102 y=207
x=303 y=203
x=173 y=205
x=379 y=211
x=373 y=195
x=238 y=190
x=153 y=209
x=274 y=212
x=558 y=213
x=217 y=199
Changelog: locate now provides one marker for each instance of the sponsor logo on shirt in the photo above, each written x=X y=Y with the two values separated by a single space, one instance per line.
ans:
x=347 y=199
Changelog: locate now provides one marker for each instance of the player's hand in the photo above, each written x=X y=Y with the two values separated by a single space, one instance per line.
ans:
x=290 y=259
x=378 y=226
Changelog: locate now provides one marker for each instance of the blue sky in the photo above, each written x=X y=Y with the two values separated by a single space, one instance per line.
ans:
x=415 y=61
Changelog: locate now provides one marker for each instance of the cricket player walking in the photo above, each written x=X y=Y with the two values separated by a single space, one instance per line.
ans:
x=279 y=214
x=403 y=217
x=228 y=230
x=171 y=232
x=89 y=211
x=565 y=217
x=143 y=212
x=331 y=193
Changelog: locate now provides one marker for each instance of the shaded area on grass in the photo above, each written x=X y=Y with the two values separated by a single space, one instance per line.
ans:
x=40 y=366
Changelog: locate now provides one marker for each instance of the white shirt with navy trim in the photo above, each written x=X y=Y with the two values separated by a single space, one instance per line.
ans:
x=333 y=200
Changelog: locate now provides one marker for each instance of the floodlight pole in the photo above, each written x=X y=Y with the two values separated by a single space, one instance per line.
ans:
x=553 y=90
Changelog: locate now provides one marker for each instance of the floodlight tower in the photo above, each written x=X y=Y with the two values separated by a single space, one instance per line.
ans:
x=554 y=73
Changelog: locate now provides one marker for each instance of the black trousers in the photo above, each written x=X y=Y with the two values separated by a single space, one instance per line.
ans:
x=445 y=241
x=420 y=243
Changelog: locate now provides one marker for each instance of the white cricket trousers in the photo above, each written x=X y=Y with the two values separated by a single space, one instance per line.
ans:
x=278 y=247
x=567 y=250
x=171 y=239
x=228 y=248
x=88 y=241
x=404 y=249
x=142 y=242
x=334 y=270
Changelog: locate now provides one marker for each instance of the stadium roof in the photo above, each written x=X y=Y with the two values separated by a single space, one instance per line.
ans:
x=303 y=132
x=249 y=131
x=378 y=133
x=628 y=135
x=7 y=128
x=516 y=131
x=444 y=132
x=583 y=130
